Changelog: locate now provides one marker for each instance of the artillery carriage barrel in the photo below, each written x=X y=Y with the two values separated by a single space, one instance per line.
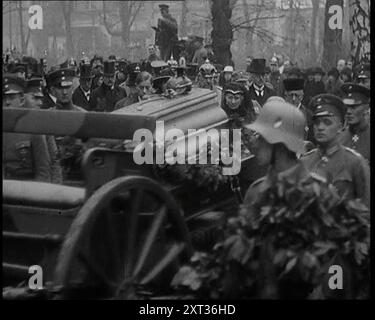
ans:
x=81 y=233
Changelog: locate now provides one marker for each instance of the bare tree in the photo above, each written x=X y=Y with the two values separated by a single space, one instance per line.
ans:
x=127 y=12
x=360 y=28
x=332 y=42
x=314 y=17
x=222 y=31
x=67 y=10
x=184 y=11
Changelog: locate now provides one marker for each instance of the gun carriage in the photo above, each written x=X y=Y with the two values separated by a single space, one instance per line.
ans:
x=124 y=233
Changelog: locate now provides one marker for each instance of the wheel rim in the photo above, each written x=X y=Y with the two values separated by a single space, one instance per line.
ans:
x=125 y=236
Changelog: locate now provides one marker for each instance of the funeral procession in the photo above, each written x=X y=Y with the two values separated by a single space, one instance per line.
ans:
x=186 y=150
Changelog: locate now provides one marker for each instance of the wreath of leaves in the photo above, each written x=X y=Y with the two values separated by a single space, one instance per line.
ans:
x=292 y=233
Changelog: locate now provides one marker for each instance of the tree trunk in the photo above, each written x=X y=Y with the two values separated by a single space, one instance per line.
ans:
x=22 y=33
x=360 y=29
x=314 y=18
x=67 y=11
x=222 y=33
x=125 y=17
x=184 y=11
x=332 y=42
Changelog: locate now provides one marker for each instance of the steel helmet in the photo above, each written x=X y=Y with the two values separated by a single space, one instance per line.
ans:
x=281 y=122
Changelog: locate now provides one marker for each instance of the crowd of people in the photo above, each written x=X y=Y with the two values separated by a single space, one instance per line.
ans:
x=334 y=103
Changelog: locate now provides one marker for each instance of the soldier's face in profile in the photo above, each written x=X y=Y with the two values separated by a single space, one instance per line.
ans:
x=294 y=97
x=63 y=94
x=14 y=100
x=326 y=129
x=33 y=102
x=356 y=114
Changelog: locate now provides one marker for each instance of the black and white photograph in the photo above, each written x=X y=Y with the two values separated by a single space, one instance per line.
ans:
x=186 y=150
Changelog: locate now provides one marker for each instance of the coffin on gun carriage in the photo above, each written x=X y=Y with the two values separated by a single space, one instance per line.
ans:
x=126 y=231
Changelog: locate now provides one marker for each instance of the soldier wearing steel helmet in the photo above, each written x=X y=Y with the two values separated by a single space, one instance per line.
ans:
x=279 y=131
x=346 y=169
x=356 y=135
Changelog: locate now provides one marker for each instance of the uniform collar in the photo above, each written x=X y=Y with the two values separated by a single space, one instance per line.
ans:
x=358 y=129
x=258 y=88
x=54 y=99
x=329 y=152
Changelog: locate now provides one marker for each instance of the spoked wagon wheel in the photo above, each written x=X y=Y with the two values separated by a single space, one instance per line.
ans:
x=128 y=237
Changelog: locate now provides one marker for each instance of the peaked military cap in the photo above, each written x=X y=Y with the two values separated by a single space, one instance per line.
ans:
x=294 y=84
x=327 y=105
x=355 y=94
x=163 y=6
x=13 y=84
x=34 y=86
x=61 y=77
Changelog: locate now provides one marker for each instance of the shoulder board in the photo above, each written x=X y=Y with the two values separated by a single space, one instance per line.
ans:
x=353 y=152
x=256 y=182
x=309 y=152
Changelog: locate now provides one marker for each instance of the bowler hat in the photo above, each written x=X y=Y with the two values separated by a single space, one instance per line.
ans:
x=109 y=68
x=257 y=66
x=318 y=70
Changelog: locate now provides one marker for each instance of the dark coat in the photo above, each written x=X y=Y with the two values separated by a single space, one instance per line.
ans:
x=79 y=98
x=103 y=99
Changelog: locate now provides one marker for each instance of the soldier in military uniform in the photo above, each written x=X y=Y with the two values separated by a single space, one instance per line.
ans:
x=70 y=149
x=315 y=87
x=356 y=135
x=25 y=156
x=277 y=147
x=206 y=76
x=104 y=98
x=259 y=90
x=81 y=95
x=346 y=169
x=34 y=100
